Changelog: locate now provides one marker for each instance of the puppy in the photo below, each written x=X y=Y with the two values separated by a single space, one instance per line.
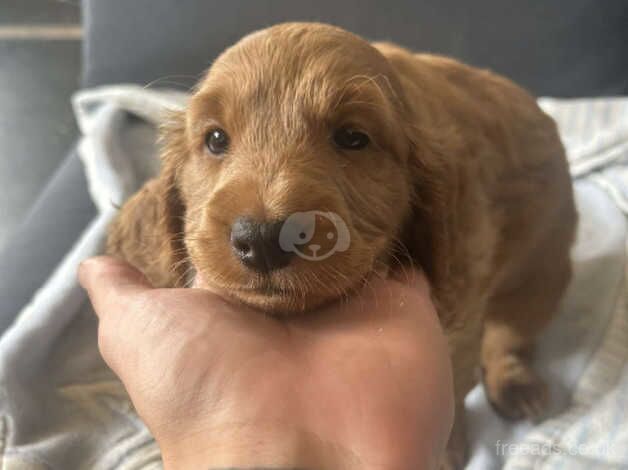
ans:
x=308 y=158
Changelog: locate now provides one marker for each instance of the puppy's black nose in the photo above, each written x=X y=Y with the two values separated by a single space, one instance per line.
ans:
x=257 y=244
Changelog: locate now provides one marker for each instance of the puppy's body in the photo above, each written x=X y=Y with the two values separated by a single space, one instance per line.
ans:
x=465 y=174
x=507 y=222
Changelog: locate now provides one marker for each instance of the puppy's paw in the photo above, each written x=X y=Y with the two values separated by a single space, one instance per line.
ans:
x=514 y=389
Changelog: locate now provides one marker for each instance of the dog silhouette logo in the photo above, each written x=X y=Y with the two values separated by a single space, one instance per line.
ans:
x=314 y=235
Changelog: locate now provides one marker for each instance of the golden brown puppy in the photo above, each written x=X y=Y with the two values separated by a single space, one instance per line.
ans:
x=370 y=155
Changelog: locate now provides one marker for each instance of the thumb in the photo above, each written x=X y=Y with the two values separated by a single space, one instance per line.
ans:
x=110 y=282
x=113 y=287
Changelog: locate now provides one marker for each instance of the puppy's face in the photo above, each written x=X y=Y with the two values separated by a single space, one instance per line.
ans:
x=293 y=174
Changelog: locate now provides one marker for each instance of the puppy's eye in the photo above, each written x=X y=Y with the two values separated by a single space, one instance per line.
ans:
x=217 y=141
x=350 y=139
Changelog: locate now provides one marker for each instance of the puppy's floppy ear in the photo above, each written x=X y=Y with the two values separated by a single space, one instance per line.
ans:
x=426 y=234
x=438 y=232
x=172 y=209
x=148 y=231
x=428 y=231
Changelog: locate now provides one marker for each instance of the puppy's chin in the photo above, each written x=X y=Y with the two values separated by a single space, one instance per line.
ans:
x=294 y=291
x=269 y=299
x=279 y=303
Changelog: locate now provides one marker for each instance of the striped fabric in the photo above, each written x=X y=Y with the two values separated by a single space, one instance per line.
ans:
x=595 y=134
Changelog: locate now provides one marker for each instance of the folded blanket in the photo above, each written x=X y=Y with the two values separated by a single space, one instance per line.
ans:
x=62 y=408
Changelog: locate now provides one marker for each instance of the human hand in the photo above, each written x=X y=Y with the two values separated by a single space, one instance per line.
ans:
x=363 y=384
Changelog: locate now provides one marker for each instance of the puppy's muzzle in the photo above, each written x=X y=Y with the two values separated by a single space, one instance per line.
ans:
x=256 y=244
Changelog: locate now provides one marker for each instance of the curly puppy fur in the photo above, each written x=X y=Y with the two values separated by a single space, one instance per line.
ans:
x=464 y=176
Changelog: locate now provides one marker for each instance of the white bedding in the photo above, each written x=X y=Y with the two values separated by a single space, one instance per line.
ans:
x=61 y=408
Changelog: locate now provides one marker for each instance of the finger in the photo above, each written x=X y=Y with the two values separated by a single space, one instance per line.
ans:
x=110 y=282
